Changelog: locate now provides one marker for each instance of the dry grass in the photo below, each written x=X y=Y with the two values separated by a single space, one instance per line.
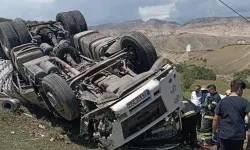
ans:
x=224 y=61
x=22 y=132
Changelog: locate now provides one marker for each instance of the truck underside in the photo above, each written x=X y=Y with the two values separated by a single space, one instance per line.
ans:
x=117 y=86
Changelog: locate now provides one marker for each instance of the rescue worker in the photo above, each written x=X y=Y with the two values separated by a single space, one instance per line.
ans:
x=204 y=105
x=189 y=122
x=212 y=101
x=204 y=93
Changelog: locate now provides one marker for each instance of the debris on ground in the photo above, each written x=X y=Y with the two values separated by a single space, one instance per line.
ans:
x=41 y=126
x=28 y=115
x=52 y=139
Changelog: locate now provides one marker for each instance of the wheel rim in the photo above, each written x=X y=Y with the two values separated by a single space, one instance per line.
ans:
x=53 y=101
x=135 y=59
x=135 y=51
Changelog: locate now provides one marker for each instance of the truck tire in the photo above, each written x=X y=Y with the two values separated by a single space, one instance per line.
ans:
x=60 y=96
x=80 y=21
x=143 y=50
x=22 y=31
x=8 y=38
x=68 y=22
x=65 y=48
x=2 y=54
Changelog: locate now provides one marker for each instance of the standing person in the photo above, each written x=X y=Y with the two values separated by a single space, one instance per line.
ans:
x=212 y=101
x=227 y=93
x=248 y=132
x=204 y=93
x=196 y=98
x=205 y=104
x=189 y=123
x=231 y=112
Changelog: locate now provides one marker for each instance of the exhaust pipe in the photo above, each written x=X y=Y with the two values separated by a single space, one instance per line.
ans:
x=11 y=104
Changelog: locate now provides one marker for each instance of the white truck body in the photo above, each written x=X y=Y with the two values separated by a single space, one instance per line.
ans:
x=152 y=103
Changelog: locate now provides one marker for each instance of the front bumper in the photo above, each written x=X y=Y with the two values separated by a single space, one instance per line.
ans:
x=163 y=136
x=165 y=144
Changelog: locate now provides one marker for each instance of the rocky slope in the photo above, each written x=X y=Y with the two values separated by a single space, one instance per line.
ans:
x=215 y=26
x=202 y=33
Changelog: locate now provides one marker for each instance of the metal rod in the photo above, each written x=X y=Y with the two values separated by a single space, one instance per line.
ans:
x=86 y=58
x=72 y=70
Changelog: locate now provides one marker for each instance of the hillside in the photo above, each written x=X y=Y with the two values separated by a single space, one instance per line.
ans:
x=169 y=36
x=127 y=25
x=202 y=33
x=224 y=61
x=215 y=26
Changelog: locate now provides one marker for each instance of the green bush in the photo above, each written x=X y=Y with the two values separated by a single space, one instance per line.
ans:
x=4 y=20
x=197 y=72
x=180 y=67
x=243 y=75
x=187 y=79
x=190 y=73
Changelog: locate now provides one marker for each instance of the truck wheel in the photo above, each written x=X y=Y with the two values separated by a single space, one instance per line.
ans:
x=22 y=31
x=64 y=49
x=142 y=49
x=8 y=38
x=81 y=23
x=68 y=22
x=60 y=96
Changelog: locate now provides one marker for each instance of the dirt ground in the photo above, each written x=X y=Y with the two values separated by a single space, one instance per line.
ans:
x=40 y=131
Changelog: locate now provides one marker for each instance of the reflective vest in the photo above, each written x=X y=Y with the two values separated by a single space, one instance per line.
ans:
x=211 y=104
x=189 y=109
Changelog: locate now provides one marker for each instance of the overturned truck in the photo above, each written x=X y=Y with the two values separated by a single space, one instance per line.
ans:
x=118 y=87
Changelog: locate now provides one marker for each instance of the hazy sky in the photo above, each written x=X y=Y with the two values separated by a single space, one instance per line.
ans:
x=115 y=11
